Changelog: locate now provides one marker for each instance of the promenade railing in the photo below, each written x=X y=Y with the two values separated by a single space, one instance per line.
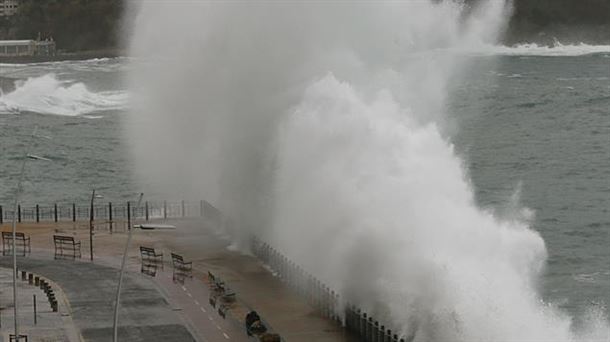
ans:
x=320 y=296
x=326 y=301
x=110 y=211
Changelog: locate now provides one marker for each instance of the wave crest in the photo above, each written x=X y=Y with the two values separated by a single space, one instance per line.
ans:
x=48 y=95
x=558 y=49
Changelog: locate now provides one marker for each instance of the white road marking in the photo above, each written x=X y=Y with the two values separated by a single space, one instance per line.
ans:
x=183 y=288
x=218 y=327
x=210 y=318
x=226 y=336
x=196 y=302
x=202 y=309
x=189 y=294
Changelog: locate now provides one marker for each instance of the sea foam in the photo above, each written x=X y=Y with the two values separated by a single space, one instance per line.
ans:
x=49 y=95
x=557 y=49
x=318 y=127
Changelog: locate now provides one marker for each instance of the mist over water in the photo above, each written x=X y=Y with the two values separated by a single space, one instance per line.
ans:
x=322 y=128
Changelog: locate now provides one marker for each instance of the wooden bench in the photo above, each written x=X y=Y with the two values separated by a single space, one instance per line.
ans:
x=149 y=269
x=220 y=288
x=149 y=254
x=20 y=240
x=66 y=243
x=181 y=265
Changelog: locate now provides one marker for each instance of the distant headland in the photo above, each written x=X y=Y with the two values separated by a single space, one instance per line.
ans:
x=85 y=29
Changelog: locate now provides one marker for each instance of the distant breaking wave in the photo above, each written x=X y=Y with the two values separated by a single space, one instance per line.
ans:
x=48 y=95
x=557 y=49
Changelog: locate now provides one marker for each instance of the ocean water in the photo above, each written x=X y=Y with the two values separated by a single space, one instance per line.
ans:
x=531 y=126
x=538 y=127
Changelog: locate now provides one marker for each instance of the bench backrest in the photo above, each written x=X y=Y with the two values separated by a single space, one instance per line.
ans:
x=62 y=238
x=147 y=250
x=9 y=235
x=177 y=257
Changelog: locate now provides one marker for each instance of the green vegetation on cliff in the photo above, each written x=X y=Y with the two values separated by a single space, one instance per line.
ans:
x=570 y=21
x=75 y=25
x=78 y=25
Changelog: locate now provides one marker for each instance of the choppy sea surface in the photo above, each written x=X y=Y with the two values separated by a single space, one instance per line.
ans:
x=531 y=124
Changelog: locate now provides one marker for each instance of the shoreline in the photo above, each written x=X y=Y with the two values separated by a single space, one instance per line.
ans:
x=66 y=56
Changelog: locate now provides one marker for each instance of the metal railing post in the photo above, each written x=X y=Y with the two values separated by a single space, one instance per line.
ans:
x=110 y=215
x=128 y=215
x=35 y=316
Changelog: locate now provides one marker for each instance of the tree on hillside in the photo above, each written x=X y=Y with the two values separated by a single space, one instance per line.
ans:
x=73 y=24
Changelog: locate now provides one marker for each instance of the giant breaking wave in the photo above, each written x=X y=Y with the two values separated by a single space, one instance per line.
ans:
x=319 y=128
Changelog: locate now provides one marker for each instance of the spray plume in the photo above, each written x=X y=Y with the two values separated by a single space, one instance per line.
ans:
x=318 y=126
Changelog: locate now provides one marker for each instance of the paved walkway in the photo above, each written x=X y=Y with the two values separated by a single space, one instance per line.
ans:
x=180 y=305
x=48 y=325
x=89 y=288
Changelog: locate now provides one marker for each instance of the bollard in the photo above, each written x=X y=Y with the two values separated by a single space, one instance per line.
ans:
x=381 y=334
x=327 y=301
x=395 y=338
x=356 y=320
x=36 y=281
x=30 y=279
x=375 y=337
x=312 y=290
x=54 y=306
x=23 y=275
x=318 y=294
x=369 y=329
x=388 y=336
x=362 y=324
x=347 y=314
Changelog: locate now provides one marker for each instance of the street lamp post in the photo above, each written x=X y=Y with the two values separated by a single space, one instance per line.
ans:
x=118 y=291
x=117 y=301
x=14 y=226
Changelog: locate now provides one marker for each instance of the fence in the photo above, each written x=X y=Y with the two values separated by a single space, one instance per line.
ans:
x=323 y=299
x=317 y=294
x=110 y=212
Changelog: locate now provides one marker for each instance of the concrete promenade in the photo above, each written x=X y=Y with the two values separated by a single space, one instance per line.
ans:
x=156 y=307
